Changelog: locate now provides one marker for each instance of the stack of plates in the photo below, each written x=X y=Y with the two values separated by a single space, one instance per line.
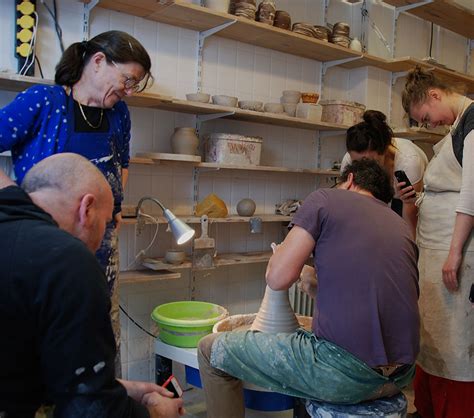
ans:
x=246 y=9
x=322 y=33
x=340 y=34
x=305 y=29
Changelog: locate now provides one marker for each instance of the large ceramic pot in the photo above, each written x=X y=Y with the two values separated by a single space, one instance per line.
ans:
x=184 y=141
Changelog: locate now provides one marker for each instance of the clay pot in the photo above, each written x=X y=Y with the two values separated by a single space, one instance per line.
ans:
x=246 y=207
x=275 y=313
x=184 y=141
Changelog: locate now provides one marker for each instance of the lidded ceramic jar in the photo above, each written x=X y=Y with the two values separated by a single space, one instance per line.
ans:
x=266 y=12
x=184 y=141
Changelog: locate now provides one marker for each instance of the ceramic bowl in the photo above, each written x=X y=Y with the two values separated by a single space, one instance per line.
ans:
x=310 y=97
x=198 y=97
x=251 y=105
x=291 y=96
x=223 y=100
x=273 y=107
x=175 y=256
x=290 y=108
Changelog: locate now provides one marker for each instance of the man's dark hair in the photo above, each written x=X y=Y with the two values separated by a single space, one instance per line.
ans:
x=368 y=175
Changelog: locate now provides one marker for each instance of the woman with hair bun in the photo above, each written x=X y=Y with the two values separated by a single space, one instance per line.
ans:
x=444 y=382
x=373 y=139
x=83 y=113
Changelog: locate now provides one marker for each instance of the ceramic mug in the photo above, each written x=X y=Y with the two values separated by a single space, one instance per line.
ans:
x=255 y=225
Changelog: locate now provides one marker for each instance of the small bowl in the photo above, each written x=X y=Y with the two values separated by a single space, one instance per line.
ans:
x=198 y=97
x=310 y=97
x=273 y=107
x=175 y=256
x=251 y=105
x=291 y=96
x=223 y=100
x=290 y=108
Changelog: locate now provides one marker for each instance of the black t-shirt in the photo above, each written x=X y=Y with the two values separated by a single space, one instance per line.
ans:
x=57 y=341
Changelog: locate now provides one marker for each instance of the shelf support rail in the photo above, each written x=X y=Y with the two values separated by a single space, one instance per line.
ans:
x=195 y=188
x=202 y=37
x=397 y=75
x=402 y=9
x=86 y=17
x=212 y=116
x=334 y=63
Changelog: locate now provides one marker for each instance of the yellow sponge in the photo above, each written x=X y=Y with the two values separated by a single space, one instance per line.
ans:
x=212 y=206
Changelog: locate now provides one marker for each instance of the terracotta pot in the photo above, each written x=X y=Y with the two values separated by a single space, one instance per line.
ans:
x=184 y=141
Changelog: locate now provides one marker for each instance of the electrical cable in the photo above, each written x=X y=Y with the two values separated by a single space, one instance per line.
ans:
x=431 y=40
x=54 y=15
x=39 y=66
x=137 y=256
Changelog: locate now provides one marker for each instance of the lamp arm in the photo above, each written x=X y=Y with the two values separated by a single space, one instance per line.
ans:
x=148 y=198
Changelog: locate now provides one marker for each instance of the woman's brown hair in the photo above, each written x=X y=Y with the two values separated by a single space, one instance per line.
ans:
x=117 y=46
x=417 y=85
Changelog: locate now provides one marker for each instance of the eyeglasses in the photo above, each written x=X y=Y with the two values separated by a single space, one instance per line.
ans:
x=425 y=122
x=131 y=83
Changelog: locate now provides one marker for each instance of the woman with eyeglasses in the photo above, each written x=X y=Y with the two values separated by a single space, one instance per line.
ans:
x=83 y=113
x=444 y=382
x=373 y=138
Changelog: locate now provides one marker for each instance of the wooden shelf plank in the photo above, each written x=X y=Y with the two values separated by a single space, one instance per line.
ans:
x=221 y=260
x=445 y=13
x=140 y=276
x=190 y=219
x=16 y=82
x=142 y=159
x=421 y=135
x=199 y=18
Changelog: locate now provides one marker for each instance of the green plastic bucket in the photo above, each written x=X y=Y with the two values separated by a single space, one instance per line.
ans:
x=183 y=324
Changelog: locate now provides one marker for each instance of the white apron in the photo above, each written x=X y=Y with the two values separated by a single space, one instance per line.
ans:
x=447 y=319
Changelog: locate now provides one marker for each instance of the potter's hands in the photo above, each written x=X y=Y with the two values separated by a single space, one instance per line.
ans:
x=163 y=407
x=137 y=390
x=450 y=271
x=406 y=194
x=308 y=282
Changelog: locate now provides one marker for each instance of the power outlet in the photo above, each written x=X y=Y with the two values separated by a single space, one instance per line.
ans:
x=26 y=21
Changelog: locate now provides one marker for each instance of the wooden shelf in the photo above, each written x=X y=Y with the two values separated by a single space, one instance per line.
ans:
x=140 y=276
x=141 y=159
x=221 y=260
x=421 y=135
x=189 y=219
x=190 y=16
x=445 y=13
x=200 y=18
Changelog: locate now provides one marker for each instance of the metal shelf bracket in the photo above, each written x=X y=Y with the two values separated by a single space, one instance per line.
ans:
x=211 y=116
x=397 y=75
x=402 y=9
x=86 y=17
x=329 y=64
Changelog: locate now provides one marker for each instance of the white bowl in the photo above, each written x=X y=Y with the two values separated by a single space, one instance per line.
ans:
x=273 y=107
x=175 y=256
x=224 y=100
x=291 y=96
x=251 y=105
x=309 y=111
x=198 y=97
x=290 y=108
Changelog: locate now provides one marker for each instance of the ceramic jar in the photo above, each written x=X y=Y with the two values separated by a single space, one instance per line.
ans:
x=184 y=141
x=218 y=5
x=266 y=12
x=356 y=45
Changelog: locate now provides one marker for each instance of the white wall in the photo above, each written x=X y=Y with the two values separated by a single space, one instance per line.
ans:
x=248 y=72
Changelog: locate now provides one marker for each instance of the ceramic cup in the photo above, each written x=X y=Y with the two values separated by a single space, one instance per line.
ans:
x=175 y=256
x=256 y=225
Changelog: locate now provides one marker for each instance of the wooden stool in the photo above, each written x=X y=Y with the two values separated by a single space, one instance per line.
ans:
x=393 y=407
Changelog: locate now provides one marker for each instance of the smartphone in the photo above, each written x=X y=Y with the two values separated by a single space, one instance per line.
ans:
x=400 y=175
x=471 y=294
x=173 y=386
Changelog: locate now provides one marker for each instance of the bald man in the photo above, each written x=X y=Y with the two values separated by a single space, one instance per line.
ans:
x=57 y=343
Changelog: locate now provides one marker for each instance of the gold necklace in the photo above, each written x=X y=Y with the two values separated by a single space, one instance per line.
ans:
x=87 y=121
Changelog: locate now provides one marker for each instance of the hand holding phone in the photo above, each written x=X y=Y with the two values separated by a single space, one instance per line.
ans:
x=173 y=386
x=400 y=175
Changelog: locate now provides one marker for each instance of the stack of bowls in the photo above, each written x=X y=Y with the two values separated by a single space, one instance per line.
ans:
x=322 y=33
x=340 y=34
x=266 y=12
x=246 y=8
x=304 y=29
x=282 y=20
x=290 y=100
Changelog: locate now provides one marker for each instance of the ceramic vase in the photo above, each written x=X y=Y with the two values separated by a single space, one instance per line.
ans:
x=275 y=313
x=355 y=45
x=184 y=141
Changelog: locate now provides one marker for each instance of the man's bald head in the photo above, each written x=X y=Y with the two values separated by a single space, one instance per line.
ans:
x=74 y=192
x=67 y=173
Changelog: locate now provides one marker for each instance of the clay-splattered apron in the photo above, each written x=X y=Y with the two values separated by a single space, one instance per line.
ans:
x=447 y=319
